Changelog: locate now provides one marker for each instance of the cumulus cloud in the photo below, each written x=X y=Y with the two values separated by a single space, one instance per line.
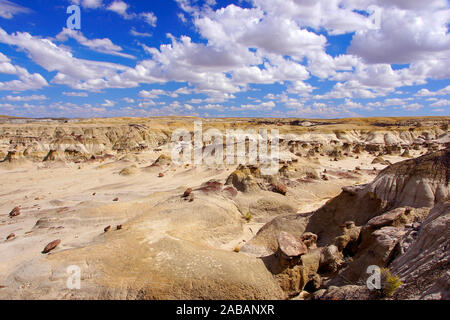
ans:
x=267 y=42
x=76 y=73
x=26 y=81
x=120 y=8
x=404 y=37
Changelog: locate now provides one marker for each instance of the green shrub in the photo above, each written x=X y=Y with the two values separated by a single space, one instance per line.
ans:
x=389 y=282
x=248 y=217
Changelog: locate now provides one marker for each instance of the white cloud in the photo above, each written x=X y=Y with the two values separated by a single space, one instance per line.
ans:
x=92 y=4
x=140 y=34
x=9 y=9
x=152 y=94
x=182 y=17
x=26 y=81
x=394 y=102
x=150 y=18
x=426 y=92
x=77 y=73
x=75 y=94
x=441 y=103
x=212 y=107
x=128 y=100
x=120 y=8
x=264 y=106
x=406 y=35
x=100 y=45
x=108 y=103
x=413 y=107
x=26 y=98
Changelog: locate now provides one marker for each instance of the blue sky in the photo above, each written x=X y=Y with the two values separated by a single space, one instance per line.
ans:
x=212 y=58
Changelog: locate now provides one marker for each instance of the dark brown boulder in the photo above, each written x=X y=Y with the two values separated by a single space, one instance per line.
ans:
x=116 y=199
x=11 y=236
x=15 y=212
x=107 y=228
x=187 y=192
x=51 y=246
x=119 y=227
x=279 y=188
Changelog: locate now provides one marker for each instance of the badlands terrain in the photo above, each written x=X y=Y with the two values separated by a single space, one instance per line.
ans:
x=105 y=196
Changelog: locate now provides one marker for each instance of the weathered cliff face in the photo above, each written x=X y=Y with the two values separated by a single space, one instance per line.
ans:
x=84 y=140
x=78 y=143
x=420 y=182
x=397 y=229
x=399 y=221
x=425 y=263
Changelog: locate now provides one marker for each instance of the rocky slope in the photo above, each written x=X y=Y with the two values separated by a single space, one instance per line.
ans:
x=399 y=222
x=104 y=195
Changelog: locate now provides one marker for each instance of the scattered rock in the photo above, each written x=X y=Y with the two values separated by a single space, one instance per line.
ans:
x=51 y=246
x=290 y=246
x=119 y=227
x=310 y=240
x=116 y=199
x=107 y=228
x=163 y=160
x=279 y=188
x=380 y=160
x=349 y=239
x=160 y=175
x=187 y=192
x=330 y=259
x=11 y=236
x=15 y=212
